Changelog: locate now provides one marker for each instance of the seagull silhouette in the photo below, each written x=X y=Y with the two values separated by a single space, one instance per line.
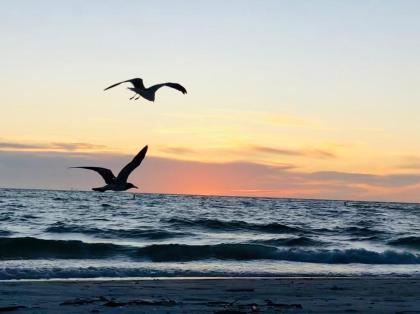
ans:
x=147 y=93
x=118 y=183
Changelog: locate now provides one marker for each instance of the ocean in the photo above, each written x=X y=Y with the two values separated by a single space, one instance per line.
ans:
x=70 y=234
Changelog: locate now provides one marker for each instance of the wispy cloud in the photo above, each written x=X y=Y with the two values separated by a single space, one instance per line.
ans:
x=315 y=153
x=19 y=146
x=44 y=169
x=76 y=146
x=392 y=180
x=249 y=151
x=177 y=150
x=15 y=146
x=410 y=163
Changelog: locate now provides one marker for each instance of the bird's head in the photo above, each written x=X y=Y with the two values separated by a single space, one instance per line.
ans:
x=130 y=186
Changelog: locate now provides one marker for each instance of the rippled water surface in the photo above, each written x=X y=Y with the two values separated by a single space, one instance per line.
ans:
x=66 y=234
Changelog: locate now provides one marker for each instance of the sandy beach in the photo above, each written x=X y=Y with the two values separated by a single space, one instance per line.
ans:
x=283 y=295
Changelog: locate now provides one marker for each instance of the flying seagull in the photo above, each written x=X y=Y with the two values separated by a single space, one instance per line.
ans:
x=118 y=183
x=147 y=93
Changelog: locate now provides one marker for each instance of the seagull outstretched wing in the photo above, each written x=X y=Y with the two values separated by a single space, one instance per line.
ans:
x=137 y=83
x=176 y=86
x=105 y=173
x=126 y=171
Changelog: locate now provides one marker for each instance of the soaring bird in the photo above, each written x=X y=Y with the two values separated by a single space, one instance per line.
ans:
x=147 y=93
x=118 y=183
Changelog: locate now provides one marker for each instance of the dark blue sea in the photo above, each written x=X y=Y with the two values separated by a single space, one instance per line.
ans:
x=70 y=234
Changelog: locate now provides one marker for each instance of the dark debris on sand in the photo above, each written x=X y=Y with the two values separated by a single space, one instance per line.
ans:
x=295 y=306
x=83 y=301
x=256 y=308
x=229 y=312
x=12 y=308
x=240 y=290
x=114 y=303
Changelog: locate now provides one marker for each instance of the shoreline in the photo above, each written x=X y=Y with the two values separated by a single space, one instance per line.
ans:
x=190 y=278
x=214 y=295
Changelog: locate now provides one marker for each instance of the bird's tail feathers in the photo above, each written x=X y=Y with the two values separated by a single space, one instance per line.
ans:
x=102 y=189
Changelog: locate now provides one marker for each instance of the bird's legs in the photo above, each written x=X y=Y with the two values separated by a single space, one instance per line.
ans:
x=133 y=96
x=138 y=96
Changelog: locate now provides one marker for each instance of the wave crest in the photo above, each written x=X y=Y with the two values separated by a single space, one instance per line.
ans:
x=182 y=252
x=411 y=241
x=298 y=241
x=152 y=234
x=28 y=247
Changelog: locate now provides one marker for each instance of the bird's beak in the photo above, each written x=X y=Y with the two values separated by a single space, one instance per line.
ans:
x=135 y=187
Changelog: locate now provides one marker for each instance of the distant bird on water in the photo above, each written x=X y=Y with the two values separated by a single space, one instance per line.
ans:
x=118 y=183
x=148 y=93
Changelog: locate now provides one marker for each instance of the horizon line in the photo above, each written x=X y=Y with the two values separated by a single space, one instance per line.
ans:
x=216 y=195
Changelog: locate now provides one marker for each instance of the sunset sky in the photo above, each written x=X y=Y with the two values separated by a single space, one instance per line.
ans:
x=314 y=99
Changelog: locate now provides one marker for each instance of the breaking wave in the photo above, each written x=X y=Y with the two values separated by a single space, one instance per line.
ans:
x=32 y=248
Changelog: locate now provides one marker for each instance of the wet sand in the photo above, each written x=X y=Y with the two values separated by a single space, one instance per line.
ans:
x=228 y=296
